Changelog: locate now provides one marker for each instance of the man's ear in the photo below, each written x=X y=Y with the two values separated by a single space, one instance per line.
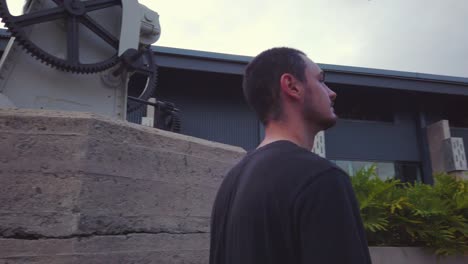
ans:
x=290 y=86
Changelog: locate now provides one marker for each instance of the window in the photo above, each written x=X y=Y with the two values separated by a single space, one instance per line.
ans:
x=408 y=171
x=404 y=171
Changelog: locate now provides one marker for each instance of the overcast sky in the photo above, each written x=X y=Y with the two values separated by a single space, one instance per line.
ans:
x=428 y=36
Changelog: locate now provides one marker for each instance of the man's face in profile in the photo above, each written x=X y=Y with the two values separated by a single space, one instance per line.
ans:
x=318 y=98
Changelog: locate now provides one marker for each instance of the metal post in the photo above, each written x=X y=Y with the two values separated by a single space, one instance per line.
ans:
x=426 y=165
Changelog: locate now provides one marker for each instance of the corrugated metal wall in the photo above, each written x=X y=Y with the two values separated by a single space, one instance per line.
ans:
x=223 y=122
x=361 y=140
x=135 y=116
x=393 y=138
x=212 y=106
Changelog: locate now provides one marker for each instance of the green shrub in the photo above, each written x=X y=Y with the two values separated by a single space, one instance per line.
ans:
x=403 y=214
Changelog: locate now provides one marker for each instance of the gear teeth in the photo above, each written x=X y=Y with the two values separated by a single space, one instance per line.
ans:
x=46 y=58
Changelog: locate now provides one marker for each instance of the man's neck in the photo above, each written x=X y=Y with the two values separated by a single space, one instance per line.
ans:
x=297 y=134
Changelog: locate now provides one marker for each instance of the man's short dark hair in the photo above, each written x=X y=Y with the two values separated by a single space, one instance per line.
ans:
x=262 y=80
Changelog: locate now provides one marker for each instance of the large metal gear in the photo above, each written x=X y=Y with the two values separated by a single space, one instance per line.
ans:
x=74 y=13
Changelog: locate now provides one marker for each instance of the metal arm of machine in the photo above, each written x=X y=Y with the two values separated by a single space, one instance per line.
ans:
x=139 y=25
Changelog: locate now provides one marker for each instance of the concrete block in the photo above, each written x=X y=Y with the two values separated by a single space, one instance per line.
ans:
x=41 y=152
x=162 y=242
x=38 y=191
x=137 y=135
x=136 y=248
x=25 y=225
x=118 y=195
x=44 y=122
x=447 y=153
x=454 y=153
x=170 y=257
x=11 y=248
x=80 y=188
x=142 y=162
x=436 y=134
x=151 y=223
x=151 y=257
x=45 y=259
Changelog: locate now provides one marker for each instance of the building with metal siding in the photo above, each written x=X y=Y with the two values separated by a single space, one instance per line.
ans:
x=384 y=114
x=212 y=106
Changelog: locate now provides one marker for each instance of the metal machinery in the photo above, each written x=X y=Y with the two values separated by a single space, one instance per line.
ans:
x=78 y=55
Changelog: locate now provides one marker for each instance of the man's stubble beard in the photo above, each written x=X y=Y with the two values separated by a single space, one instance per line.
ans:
x=315 y=118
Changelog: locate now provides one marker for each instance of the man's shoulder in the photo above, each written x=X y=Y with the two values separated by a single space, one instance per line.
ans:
x=284 y=157
x=308 y=161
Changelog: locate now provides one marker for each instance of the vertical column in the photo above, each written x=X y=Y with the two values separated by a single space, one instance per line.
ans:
x=447 y=153
x=424 y=147
x=148 y=120
x=319 y=144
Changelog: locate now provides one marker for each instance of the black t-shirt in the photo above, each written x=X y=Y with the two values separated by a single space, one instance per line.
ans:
x=284 y=204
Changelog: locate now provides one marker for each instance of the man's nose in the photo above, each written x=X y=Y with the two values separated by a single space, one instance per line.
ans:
x=331 y=94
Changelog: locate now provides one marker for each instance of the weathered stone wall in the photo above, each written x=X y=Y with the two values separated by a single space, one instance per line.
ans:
x=80 y=188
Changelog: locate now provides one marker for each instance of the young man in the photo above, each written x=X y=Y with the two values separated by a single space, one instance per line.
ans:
x=282 y=203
